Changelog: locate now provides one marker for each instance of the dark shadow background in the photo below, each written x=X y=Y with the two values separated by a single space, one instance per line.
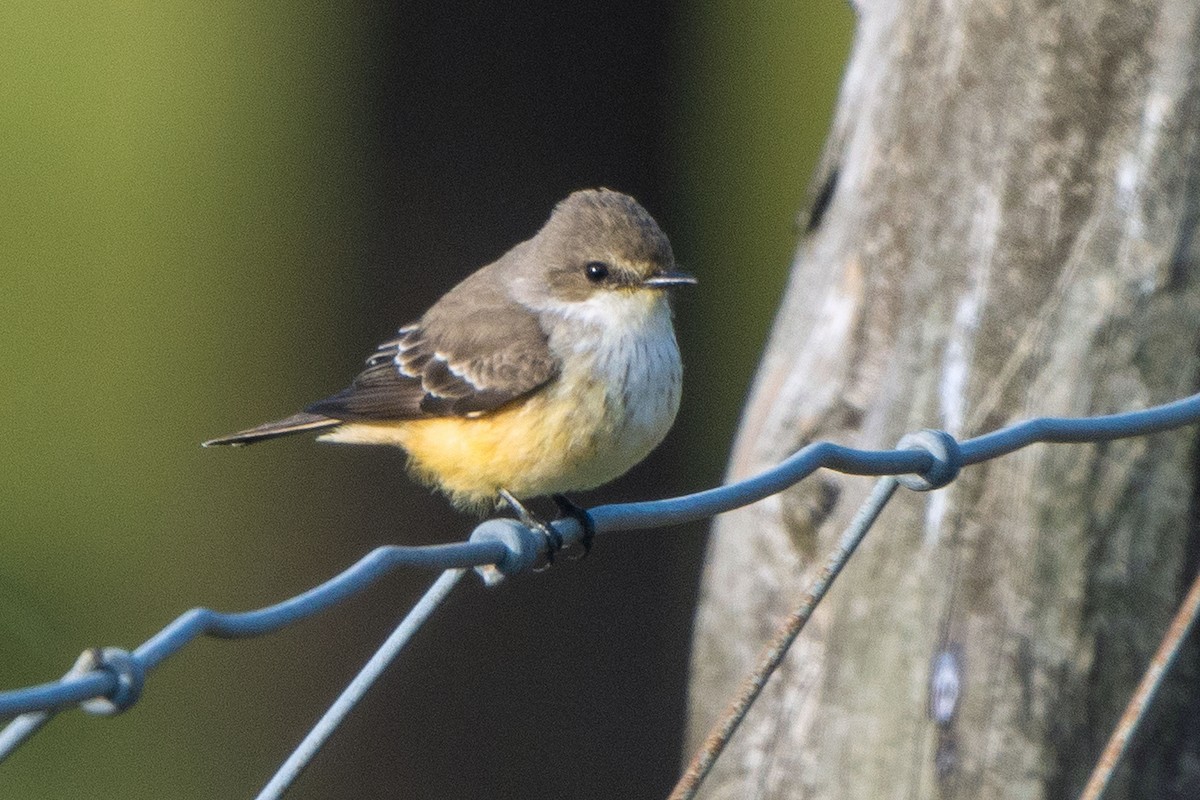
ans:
x=212 y=215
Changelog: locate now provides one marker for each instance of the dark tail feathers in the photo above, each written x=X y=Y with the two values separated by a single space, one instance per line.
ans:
x=296 y=423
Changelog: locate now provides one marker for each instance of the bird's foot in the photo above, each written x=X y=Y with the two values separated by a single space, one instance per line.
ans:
x=581 y=516
x=554 y=540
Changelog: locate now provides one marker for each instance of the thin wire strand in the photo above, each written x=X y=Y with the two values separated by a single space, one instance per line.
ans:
x=606 y=518
x=504 y=547
x=304 y=752
x=1143 y=697
x=37 y=705
x=20 y=729
x=706 y=755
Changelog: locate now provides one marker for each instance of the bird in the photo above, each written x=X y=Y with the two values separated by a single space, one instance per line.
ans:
x=553 y=369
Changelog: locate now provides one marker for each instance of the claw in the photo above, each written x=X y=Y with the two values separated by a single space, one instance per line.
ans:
x=554 y=540
x=581 y=516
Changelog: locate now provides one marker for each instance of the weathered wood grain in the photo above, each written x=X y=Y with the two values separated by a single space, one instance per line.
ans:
x=1011 y=234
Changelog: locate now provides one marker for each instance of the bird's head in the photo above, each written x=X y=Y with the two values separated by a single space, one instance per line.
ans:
x=602 y=248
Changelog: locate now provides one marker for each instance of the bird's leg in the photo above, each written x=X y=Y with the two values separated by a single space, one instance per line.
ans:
x=581 y=516
x=554 y=541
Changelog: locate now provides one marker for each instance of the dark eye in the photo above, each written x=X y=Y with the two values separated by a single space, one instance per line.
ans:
x=596 y=271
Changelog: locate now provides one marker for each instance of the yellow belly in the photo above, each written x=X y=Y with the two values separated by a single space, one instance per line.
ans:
x=613 y=402
x=557 y=440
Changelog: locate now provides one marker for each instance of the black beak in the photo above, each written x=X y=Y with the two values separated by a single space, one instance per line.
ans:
x=668 y=278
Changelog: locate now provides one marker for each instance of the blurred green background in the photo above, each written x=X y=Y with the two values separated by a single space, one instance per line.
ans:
x=210 y=213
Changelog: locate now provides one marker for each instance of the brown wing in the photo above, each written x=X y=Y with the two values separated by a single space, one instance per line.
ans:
x=474 y=351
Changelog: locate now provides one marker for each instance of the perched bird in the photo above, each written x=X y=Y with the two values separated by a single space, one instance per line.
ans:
x=553 y=369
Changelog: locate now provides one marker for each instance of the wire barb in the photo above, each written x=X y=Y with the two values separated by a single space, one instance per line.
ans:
x=128 y=674
x=522 y=547
x=947 y=460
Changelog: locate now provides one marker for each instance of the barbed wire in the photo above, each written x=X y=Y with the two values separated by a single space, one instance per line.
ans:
x=106 y=681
